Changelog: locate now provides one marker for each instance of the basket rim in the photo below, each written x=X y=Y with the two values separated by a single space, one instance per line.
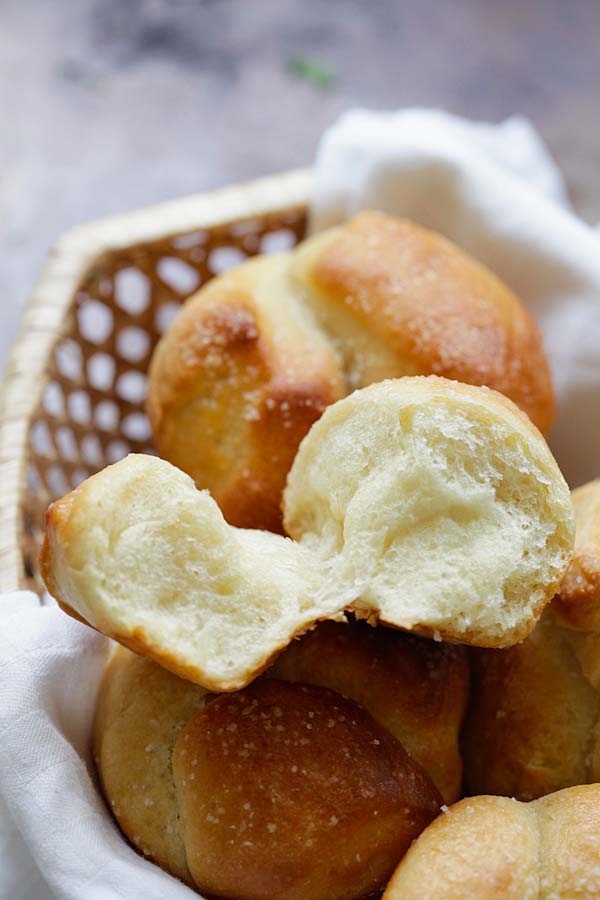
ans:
x=43 y=318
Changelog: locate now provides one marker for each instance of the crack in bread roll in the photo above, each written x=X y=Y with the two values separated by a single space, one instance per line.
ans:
x=253 y=359
x=534 y=718
x=413 y=687
x=280 y=791
x=430 y=505
x=495 y=848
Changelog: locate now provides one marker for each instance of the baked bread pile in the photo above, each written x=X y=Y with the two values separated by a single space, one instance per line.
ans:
x=423 y=503
x=254 y=358
x=299 y=707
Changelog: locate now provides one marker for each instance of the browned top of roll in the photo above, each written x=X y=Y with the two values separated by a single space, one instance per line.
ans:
x=291 y=792
x=427 y=303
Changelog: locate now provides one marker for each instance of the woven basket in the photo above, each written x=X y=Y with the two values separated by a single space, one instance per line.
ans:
x=75 y=384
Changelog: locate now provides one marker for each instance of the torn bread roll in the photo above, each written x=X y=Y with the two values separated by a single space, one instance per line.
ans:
x=495 y=848
x=281 y=790
x=415 y=688
x=430 y=505
x=253 y=359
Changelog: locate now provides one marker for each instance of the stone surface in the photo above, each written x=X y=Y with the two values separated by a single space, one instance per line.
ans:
x=111 y=104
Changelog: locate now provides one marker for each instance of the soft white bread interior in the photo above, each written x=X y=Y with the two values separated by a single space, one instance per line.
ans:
x=496 y=848
x=433 y=506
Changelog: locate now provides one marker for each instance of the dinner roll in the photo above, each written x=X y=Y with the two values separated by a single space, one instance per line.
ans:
x=396 y=299
x=441 y=506
x=252 y=360
x=413 y=687
x=280 y=791
x=433 y=506
x=495 y=848
x=293 y=792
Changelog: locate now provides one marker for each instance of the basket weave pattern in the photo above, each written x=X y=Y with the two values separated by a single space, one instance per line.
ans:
x=86 y=408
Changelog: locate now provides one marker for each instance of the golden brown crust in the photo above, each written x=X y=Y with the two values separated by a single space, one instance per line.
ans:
x=141 y=645
x=532 y=716
x=415 y=688
x=291 y=792
x=57 y=518
x=435 y=308
x=480 y=849
x=140 y=712
x=578 y=601
x=253 y=359
x=472 y=637
x=281 y=791
x=232 y=392
x=494 y=848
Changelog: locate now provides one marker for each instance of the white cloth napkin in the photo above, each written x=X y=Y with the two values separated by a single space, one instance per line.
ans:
x=56 y=837
x=495 y=191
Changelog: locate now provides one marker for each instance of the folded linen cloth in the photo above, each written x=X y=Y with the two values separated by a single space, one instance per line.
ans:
x=496 y=192
x=56 y=835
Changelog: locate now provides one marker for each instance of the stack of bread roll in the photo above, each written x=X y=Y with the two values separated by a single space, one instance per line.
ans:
x=350 y=593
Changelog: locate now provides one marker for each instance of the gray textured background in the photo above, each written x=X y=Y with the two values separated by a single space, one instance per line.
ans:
x=110 y=104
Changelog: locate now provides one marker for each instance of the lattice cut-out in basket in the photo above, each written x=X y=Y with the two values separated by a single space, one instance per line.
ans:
x=91 y=411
